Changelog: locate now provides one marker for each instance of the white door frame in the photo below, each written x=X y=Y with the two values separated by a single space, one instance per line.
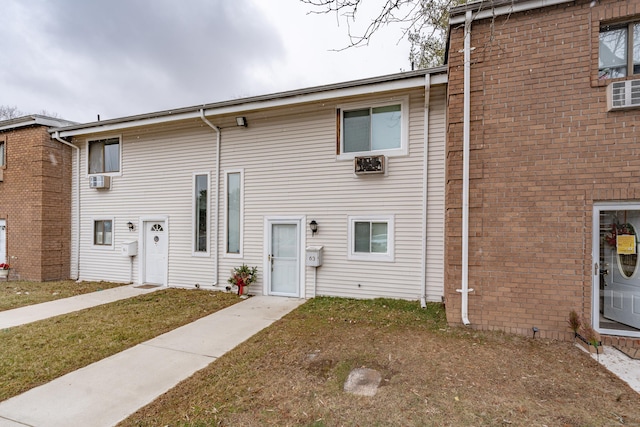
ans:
x=3 y=241
x=141 y=246
x=301 y=222
x=595 y=265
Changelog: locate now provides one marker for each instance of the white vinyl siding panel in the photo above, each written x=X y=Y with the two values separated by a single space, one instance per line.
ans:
x=157 y=181
x=291 y=169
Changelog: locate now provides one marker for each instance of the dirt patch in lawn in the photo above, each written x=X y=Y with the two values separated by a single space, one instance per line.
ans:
x=38 y=352
x=21 y=293
x=292 y=374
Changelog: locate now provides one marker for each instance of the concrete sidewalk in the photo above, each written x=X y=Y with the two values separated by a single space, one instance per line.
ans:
x=108 y=391
x=33 y=313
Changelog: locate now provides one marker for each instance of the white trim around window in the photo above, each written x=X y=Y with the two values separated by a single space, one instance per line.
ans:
x=403 y=150
x=201 y=238
x=101 y=222
x=370 y=254
x=88 y=160
x=233 y=213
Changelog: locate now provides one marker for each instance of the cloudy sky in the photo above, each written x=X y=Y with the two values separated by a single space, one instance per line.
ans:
x=81 y=58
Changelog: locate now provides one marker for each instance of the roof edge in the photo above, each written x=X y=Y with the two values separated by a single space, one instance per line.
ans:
x=33 y=119
x=246 y=104
x=483 y=9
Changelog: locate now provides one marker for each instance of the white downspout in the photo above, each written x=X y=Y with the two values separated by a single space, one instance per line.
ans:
x=425 y=178
x=466 y=119
x=217 y=194
x=56 y=136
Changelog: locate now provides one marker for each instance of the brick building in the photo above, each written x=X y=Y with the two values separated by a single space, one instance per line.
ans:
x=35 y=199
x=554 y=171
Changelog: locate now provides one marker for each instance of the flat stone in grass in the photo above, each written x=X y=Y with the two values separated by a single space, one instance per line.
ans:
x=363 y=382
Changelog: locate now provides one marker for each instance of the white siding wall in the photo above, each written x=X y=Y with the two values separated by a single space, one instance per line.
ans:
x=157 y=180
x=290 y=168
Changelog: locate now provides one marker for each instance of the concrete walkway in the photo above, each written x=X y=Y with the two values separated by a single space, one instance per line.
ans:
x=106 y=392
x=33 y=313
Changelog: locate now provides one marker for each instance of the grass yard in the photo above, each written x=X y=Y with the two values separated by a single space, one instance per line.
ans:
x=292 y=374
x=20 y=293
x=38 y=352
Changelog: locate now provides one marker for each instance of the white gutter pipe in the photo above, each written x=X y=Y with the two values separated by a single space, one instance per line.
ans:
x=425 y=178
x=217 y=194
x=466 y=119
x=56 y=136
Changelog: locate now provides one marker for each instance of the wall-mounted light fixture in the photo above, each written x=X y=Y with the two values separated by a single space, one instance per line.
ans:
x=130 y=225
x=241 y=121
x=313 y=225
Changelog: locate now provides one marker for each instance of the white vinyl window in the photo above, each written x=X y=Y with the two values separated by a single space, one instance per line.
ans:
x=371 y=238
x=373 y=129
x=103 y=233
x=3 y=160
x=104 y=155
x=201 y=214
x=234 y=180
x=619 y=50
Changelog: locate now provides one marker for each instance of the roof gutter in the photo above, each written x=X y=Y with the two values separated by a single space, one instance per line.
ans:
x=56 y=136
x=216 y=225
x=506 y=9
x=296 y=97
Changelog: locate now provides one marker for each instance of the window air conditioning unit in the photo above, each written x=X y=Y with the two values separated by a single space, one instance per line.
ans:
x=100 y=182
x=624 y=94
x=368 y=165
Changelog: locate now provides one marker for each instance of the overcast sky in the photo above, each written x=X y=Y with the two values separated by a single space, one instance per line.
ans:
x=81 y=58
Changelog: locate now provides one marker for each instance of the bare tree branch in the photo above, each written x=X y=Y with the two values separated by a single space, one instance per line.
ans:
x=424 y=22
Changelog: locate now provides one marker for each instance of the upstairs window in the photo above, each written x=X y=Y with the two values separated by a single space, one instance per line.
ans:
x=379 y=129
x=3 y=160
x=104 y=155
x=619 y=52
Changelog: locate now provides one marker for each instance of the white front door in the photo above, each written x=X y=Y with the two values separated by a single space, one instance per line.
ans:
x=155 y=252
x=622 y=267
x=3 y=241
x=284 y=257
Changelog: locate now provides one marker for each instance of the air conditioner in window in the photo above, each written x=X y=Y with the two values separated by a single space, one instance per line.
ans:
x=624 y=94
x=100 y=182
x=368 y=165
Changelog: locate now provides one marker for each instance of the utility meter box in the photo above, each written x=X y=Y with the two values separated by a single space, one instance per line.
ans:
x=130 y=248
x=314 y=256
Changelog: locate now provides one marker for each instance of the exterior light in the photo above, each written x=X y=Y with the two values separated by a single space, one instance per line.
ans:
x=130 y=225
x=313 y=225
x=241 y=121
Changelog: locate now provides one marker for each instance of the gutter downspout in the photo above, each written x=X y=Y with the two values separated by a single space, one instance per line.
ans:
x=425 y=179
x=465 y=170
x=56 y=136
x=217 y=204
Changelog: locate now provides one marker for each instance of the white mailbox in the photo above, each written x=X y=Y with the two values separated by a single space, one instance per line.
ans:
x=130 y=248
x=314 y=256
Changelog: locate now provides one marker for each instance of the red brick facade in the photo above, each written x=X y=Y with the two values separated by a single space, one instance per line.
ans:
x=544 y=149
x=35 y=201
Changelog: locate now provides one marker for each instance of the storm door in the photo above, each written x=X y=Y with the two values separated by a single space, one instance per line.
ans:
x=283 y=258
x=617 y=268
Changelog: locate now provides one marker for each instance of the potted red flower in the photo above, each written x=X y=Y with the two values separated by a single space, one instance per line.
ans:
x=243 y=276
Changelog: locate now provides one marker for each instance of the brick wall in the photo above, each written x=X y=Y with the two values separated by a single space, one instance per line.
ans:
x=35 y=200
x=543 y=150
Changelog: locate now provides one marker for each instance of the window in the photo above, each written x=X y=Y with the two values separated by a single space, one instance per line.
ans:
x=3 y=161
x=103 y=232
x=619 y=53
x=233 y=202
x=104 y=155
x=371 y=238
x=201 y=204
x=377 y=129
